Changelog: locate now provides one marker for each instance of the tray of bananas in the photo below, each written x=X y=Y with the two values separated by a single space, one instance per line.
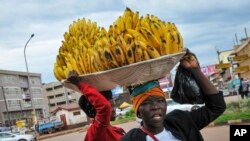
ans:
x=134 y=49
x=129 y=75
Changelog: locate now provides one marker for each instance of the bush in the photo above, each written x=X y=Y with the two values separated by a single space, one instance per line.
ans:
x=234 y=112
x=130 y=113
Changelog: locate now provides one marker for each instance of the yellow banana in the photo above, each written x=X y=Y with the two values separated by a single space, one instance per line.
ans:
x=135 y=20
x=152 y=52
x=129 y=54
x=56 y=73
x=170 y=40
x=152 y=40
x=138 y=54
x=145 y=55
x=110 y=58
x=176 y=42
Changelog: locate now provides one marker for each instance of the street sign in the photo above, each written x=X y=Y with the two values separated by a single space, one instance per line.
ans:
x=222 y=66
x=240 y=57
x=241 y=69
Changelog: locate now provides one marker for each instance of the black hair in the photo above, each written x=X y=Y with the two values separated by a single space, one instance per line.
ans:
x=107 y=94
x=88 y=108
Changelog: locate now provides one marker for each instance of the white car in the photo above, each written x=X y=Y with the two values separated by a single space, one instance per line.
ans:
x=120 y=112
x=6 y=136
x=172 y=105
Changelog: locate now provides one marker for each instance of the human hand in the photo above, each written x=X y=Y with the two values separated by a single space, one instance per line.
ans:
x=189 y=61
x=73 y=78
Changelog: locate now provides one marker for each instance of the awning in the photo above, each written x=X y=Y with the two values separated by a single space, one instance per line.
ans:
x=124 y=105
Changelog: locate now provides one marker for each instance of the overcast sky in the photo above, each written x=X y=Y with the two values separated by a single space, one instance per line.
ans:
x=204 y=25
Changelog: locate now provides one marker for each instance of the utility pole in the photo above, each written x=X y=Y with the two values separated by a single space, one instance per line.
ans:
x=7 y=109
x=29 y=89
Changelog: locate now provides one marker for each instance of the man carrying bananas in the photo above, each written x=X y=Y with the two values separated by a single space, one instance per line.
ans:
x=150 y=105
x=97 y=105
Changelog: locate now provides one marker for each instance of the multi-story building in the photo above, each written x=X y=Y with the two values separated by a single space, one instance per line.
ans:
x=18 y=100
x=57 y=95
x=242 y=53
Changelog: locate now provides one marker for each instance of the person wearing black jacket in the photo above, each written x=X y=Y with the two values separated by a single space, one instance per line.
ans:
x=150 y=105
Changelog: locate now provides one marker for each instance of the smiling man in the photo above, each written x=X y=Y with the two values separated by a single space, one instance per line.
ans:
x=150 y=105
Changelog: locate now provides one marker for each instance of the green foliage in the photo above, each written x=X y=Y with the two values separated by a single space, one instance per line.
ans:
x=232 y=116
x=130 y=113
x=235 y=111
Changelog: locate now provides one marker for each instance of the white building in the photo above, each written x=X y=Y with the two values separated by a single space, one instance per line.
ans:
x=70 y=114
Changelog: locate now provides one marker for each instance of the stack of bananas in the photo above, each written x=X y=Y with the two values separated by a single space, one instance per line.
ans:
x=88 y=48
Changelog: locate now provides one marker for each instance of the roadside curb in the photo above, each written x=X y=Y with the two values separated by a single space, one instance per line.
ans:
x=237 y=121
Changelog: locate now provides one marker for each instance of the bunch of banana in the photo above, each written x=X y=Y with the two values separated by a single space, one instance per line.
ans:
x=143 y=38
x=88 y=48
x=77 y=51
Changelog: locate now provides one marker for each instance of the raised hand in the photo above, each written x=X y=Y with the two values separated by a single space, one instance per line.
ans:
x=73 y=78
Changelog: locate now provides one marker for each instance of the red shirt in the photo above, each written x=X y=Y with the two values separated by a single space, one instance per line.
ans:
x=100 y=129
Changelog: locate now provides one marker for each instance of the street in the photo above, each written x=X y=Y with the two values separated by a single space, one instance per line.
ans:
x=216 y=133
x=220 y=133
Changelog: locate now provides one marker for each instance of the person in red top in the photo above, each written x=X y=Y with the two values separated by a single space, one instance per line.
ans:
x=96 y=106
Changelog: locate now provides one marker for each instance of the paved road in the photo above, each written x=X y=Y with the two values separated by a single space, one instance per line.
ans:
x=217 y=133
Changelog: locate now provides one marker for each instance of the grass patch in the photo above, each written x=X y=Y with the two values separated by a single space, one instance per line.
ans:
x=235 y=112
x=121 y=120
x=232 y=116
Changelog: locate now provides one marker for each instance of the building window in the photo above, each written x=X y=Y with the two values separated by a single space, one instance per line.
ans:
x=58 y=87
x=49 y=89
x=9 y=79
x=12 y=92
x=77 y=113
x=36 y=91
x=13 y=103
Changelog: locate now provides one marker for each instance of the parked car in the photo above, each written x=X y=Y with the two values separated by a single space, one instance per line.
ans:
x=172 y=105
x=4 y=129
x=6 y=136
x=122 y=112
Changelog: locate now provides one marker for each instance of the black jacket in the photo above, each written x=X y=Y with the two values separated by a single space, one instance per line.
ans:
x=184 y=125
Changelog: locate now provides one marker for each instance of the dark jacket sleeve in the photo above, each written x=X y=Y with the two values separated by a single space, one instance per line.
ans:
x=214 y=106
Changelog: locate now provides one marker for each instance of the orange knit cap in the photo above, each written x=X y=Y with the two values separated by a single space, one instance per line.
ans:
x=137 y=100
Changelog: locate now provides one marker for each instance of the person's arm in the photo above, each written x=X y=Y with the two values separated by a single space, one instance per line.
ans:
x=101 y=104
x=191 y=64
x=214 y=101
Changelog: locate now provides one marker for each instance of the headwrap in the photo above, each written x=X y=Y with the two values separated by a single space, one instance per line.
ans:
x=142 y=92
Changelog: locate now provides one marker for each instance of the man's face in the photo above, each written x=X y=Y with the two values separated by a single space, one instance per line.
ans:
x=152 y=111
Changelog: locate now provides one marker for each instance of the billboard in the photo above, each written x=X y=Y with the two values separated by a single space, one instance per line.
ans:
x=208 y=70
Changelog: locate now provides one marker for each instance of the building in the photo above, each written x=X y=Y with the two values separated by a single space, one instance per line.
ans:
x=242 y=56
x=16 y=101
x=70 y=114
x=57 y=95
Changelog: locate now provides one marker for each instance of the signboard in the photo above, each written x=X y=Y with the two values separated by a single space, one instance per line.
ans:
x=240 y=57
x=241 y=69
x=222 y=66
x=208 y=70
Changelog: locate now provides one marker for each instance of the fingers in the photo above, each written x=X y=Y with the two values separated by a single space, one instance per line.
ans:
x=72 y=74
x=188 y=57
